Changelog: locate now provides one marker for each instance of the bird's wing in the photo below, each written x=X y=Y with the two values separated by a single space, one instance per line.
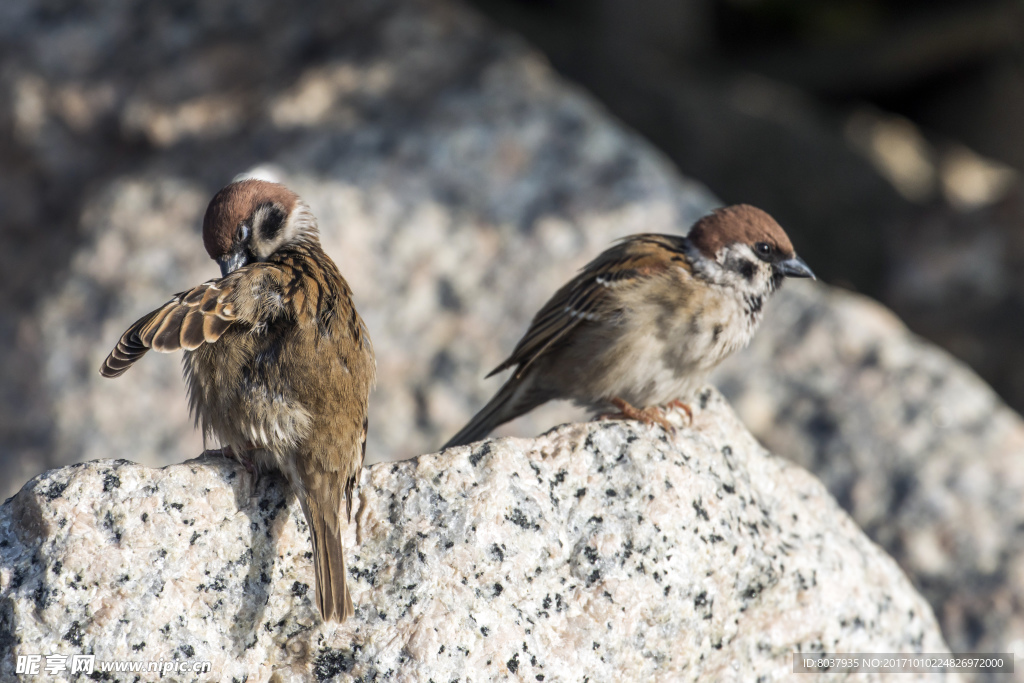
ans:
x=192 y=318
x=590 y=297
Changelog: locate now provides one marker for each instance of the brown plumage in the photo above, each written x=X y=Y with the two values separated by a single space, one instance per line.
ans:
x=279 y=364
x=643 y=324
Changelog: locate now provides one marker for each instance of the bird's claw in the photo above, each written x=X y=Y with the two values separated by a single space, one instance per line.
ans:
x=649 y=415
x=679 y=405
x=242 y=457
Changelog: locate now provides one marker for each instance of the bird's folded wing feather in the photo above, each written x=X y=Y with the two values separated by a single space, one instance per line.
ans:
x=190 y=319
x=591 y=295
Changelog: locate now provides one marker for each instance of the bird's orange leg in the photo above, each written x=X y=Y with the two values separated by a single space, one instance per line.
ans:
x=649 y=415
x=683 y=407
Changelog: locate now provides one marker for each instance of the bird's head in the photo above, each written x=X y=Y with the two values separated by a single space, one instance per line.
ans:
x=251 y=219
x=748 y=247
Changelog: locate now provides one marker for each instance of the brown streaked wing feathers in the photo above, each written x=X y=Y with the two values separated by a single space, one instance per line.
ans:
x=584 y=298
x=128 y=350
x=185 y=322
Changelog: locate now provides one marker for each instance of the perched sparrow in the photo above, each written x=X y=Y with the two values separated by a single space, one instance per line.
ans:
x=644 y=323
x=278 y=363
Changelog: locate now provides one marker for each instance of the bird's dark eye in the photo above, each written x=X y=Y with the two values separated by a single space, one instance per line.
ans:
x=763 y=249
x=242 y=234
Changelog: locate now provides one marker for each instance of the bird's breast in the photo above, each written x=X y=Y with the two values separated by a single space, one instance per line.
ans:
x=667 y=347
x=241 y=392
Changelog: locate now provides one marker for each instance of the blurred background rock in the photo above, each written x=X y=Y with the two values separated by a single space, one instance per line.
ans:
x=459 y=181
x=885 y=135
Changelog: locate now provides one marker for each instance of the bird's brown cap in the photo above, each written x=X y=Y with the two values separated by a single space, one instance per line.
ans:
x=236 y=204
x=740 y=223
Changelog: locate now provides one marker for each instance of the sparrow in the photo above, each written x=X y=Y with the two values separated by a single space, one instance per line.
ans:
x=277 y=361
x=643 y=324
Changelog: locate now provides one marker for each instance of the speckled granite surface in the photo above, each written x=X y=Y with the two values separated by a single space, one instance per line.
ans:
x=601 y=551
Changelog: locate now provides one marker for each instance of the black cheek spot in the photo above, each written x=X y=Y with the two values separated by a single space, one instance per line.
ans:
x=716 y=332
x=747 y=270
x=273 y=221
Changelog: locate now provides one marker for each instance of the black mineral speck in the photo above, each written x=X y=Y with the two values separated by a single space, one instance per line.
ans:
x=752 y=591
x=705 y=396
x=477 y=456
x=40 y=596
x=56 y=490
x=74 y=634
x=513 y=664
x=299 y=589
x=497 y=553
x=108 y=523
x=330 y=663
x=519 y=518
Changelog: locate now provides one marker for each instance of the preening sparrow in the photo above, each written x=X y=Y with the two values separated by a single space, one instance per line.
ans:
x=279 y=365
x=643 y=324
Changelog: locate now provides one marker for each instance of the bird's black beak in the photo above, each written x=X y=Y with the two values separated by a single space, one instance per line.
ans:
x=794 y=267
x=229 y=263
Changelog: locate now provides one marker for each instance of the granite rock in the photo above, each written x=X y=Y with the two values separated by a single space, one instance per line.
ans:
x=598 y=551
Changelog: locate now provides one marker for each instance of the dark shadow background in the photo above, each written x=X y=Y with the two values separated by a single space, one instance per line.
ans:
x=885 y=135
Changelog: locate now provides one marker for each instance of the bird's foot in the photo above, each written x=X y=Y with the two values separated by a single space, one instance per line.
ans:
x=242 y=457
x=679 y=405
x=649 y=415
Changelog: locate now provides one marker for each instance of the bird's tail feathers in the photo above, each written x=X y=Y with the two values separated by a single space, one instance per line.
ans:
x=332 y=594
x=515 y=398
